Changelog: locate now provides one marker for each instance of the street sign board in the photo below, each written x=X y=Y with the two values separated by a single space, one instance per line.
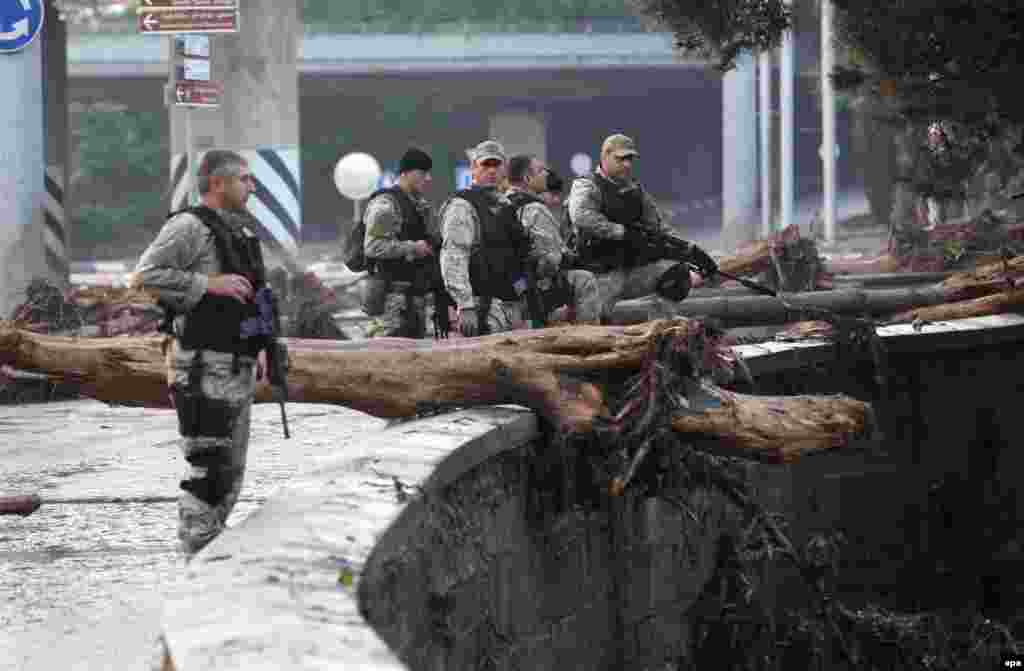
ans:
x=196 y=70
x=20 y=23
x=169 y=21
x=197 y=94
x=192 y=46
x=189 y=4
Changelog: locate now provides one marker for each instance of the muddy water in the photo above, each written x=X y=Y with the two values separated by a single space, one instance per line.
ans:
x=82 y=585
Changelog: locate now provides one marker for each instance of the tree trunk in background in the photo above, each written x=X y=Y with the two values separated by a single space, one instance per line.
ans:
x=874 y=141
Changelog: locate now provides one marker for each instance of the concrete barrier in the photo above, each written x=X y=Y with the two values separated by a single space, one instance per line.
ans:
x=279 y=590
x=371 y=538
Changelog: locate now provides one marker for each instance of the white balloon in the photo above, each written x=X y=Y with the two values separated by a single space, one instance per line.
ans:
x=356 y=175
x=581 y=164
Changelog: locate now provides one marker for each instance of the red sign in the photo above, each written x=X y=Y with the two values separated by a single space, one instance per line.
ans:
x=167 y=21
x=197 y=94
x=188 y=4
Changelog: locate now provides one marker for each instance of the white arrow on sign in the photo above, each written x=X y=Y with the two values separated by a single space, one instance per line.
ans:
x=26 y=5
x=148 y=21
x=20 y=30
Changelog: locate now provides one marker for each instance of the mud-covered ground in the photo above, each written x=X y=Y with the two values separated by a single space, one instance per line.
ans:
x=82 y=585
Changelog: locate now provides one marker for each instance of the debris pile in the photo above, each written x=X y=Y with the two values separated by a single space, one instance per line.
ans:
x=305 y=304
x=786 y=261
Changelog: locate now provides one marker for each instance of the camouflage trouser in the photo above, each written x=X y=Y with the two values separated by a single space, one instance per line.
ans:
x=634 y=282
x=584 y=300
x=404 y=315
x=214 y=427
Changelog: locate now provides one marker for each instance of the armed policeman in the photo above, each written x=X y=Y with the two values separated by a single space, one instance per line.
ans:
x=616 y=221
x=484 y=249
x=399 y=254
x=551 y=285
x=206 y=269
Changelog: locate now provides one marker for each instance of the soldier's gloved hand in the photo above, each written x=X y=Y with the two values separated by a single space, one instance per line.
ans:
x=705 y=264
x=469 y=322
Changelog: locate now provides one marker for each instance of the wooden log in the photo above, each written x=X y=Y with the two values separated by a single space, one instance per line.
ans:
x=777 y=429
x=749 y=310
x=994 y=304
x=987 y=279
x=546 y=370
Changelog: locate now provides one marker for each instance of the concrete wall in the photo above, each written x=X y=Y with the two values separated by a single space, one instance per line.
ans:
x=475 y=542
x=517 y=566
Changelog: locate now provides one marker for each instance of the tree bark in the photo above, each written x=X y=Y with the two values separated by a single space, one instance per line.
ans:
x=777 y=429
x=753 y=310
x=994 y=304
x=546 y=370
x=994 y=278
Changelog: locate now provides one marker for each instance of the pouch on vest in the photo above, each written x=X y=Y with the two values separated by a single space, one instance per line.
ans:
x=375 y=293
x=354 y=255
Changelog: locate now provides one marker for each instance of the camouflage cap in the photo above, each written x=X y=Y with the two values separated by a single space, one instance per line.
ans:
x=488 y=149
x=620 y=145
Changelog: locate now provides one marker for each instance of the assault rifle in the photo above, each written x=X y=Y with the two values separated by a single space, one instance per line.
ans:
x=676 y=249
x=266 y=325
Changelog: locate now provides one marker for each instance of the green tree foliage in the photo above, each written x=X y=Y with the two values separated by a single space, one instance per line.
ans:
x=955 y=62
x=120 y=165
x=721 y=29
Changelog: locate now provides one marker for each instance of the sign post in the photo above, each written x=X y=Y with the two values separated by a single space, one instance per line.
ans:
x=174 y=17
x=189 y=23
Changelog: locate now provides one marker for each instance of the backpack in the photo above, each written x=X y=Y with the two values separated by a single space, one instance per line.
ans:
x=354 y=257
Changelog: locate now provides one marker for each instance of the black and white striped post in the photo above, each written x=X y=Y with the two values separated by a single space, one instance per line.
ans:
x=276 y=201
x=55 y=220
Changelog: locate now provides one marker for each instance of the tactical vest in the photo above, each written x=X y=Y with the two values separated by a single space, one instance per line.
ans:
x=497 y=267
x=621 y=206
x=414 y=227
x=521 y=199
x=215 y=322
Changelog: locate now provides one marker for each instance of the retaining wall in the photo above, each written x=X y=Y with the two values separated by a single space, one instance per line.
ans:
x=474 y=543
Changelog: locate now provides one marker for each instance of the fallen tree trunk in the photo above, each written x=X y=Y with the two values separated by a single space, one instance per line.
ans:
x=984 y=280
x=750 y=310
x=994 y=304
x=777 y=429
x=546 y=370
x=734 y=310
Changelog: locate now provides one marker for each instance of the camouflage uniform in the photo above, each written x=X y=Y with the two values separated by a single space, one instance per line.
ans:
x=176 y=268
x=623 y=283
x=547 y=251
x=460 y=230
x=398 y=311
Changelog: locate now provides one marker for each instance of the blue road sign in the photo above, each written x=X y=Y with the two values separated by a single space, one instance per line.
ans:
x=20 y=23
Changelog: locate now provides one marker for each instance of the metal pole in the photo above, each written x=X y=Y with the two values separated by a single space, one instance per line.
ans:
x=739 y=153
x=765 y=88
x=22 y=173
x=787 y=75
x=357 y=208
x=828 y=122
